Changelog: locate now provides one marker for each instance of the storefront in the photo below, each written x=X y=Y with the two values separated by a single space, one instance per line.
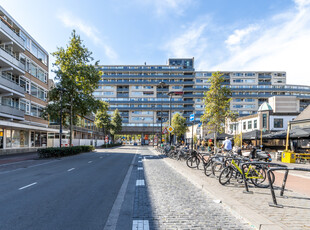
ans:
x=17 y=137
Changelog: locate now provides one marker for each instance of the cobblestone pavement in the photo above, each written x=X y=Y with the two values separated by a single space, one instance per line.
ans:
x=169 y=201
x=252 y=207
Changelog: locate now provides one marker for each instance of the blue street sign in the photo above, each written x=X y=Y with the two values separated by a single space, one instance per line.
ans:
x=199 y=124
x=192 y=117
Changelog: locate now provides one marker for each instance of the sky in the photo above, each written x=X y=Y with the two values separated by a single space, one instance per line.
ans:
x=222 y=35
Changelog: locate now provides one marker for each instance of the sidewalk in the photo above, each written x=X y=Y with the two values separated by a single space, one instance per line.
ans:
x=11 y=158
x=254 y=207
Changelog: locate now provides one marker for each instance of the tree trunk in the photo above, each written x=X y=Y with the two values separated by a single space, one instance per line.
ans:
x=215 y=141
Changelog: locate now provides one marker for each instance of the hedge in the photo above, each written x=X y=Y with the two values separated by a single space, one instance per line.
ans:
x=64 y=151
x=111 y=145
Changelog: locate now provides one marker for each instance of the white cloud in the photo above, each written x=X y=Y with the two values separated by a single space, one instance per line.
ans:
x=189 y=44
x=91 y=32
x=239 y=35
x=280 y=44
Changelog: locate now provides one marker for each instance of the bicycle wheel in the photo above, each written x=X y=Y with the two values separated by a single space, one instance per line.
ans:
x=217 y=169
x=225 y=175
x=262 y=180
x=193 y=162
x=208 y=168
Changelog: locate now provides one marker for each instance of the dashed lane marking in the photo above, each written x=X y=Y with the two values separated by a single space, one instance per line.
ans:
x=27 y=186
x=89 y=162
x=140 y=168
x=140 y=183
x=70 y=169
x=140 y=225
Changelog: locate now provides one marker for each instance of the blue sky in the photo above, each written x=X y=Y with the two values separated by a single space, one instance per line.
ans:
x=264 y=35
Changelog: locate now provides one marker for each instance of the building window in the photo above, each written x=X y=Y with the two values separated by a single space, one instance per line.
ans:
x=244 y=125
x=265 y=121
x=255 y=124
x=278 y=123
x=249 y=124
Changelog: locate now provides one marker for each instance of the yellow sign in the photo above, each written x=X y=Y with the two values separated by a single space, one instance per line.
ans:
x=170 y=129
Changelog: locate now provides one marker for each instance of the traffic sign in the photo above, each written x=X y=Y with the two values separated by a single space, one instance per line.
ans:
x=192 y=117
x=199 y=124
x=170 y=129
x=165 y=131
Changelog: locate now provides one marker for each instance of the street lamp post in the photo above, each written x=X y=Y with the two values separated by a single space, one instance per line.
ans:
x=153 y=124
x=170 y=96
x=161 y=85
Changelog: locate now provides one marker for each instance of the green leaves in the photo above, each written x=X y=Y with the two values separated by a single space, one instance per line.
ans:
x=217 y=104
x=78 y=78
x=178 y=122
x=103 y=119
x=116 y=123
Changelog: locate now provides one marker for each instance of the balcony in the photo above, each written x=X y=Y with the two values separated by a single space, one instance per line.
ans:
x=10 y=58
x=11 y=112
x=6 y=83
x=9 y=31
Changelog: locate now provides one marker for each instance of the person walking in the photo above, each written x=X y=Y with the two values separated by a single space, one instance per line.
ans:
x=227 y=145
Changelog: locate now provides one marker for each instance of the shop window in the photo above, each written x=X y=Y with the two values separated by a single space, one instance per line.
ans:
x=8 y=138
x=15 y=138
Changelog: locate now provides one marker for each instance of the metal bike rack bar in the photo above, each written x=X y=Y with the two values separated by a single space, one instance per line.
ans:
x=255 y=163
x=275 y=204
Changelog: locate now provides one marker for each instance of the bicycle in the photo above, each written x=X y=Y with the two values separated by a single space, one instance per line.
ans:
x=255 y=173
x=194 y=160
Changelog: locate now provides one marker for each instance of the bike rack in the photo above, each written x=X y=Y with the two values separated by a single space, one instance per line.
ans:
x=275 y=204
x=255 y=163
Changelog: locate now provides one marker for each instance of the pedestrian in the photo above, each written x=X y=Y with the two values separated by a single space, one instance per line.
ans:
x=227 y=145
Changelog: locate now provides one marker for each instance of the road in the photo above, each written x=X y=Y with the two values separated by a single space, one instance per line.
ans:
x=76 y=192
x=129 y=187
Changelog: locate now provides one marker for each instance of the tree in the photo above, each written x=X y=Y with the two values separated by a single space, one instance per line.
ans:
x=217 y=105
x=116 y=123
x=178 y=122
x=77 y=80
x=102 y=118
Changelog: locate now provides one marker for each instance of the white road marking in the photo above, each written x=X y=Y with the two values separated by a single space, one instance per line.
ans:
x=140 y=168
x=27 y=186
x=140 y=225
x=140 y=183
x=70 y=169
x=114 y=214
x=89 y=162
x=139 y=161
x=101 y=157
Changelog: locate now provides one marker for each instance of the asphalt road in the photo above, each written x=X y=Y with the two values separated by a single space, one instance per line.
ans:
x=76 y=192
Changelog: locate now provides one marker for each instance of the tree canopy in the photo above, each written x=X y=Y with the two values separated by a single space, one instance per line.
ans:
x=178 y=122
x=103 y=119
x=76 y=80
x=217 y=105
x=116 y=123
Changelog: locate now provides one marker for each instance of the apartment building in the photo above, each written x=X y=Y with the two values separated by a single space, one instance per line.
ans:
x=143 y=92
x=23 y=88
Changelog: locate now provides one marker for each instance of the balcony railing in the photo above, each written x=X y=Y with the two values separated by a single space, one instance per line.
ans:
x=5 y=81
x=11 y=111
x=9 y=57
x=10 y=31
